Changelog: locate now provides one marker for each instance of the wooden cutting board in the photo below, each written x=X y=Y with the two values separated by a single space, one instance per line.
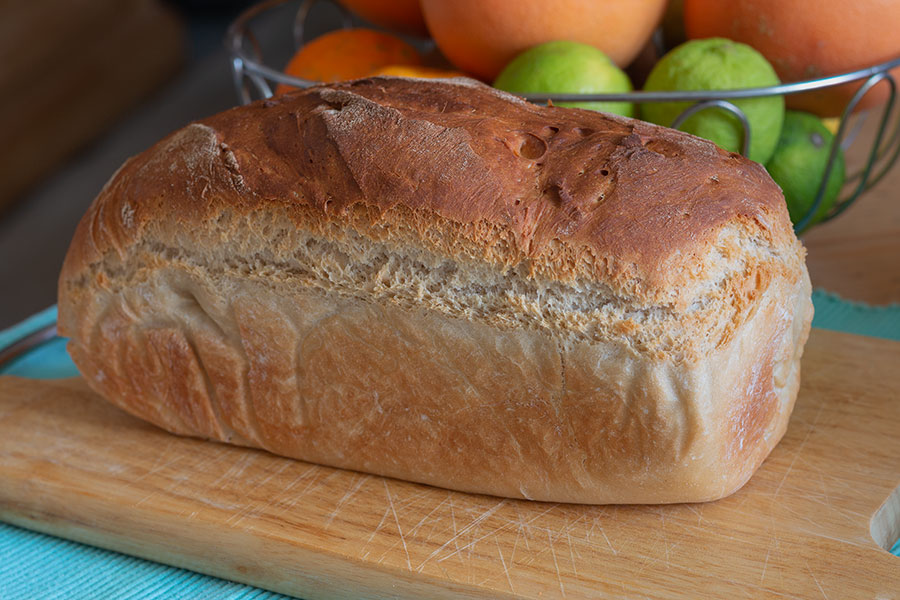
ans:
x=73 y=466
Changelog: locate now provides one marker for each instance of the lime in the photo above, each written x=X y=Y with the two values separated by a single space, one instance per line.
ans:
x=798 y=165
x=568 y=68
x=718 y=64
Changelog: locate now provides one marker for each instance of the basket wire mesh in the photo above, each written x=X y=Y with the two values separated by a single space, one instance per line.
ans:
x=252 y=77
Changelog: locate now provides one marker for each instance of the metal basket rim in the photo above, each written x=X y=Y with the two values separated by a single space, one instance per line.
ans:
x=248 y=67
x=234 y=39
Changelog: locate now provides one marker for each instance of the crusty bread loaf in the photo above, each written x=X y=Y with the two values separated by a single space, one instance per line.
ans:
x=439 y=282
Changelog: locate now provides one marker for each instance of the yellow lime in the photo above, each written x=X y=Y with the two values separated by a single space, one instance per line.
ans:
x=832 y=124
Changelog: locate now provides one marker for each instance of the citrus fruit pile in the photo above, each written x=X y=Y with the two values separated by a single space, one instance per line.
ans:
x=603 y=47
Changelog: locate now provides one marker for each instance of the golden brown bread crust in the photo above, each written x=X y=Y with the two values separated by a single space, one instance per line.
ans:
x=577 y=192
x=439 y=282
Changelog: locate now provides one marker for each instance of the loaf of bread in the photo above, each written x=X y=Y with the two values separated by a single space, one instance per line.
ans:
x=442 y=283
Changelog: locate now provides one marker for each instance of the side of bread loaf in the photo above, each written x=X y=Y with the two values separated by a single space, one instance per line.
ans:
x=438 y=282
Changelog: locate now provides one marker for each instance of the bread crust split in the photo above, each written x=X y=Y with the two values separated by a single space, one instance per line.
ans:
x=438 y=282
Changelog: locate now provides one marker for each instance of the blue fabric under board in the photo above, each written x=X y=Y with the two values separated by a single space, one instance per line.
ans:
x=34 y=565
x=48 y=361
x=837 y=314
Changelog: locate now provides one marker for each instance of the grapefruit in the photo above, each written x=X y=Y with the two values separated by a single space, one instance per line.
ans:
x=401 y=15
x=807 y=40
x=482 y=36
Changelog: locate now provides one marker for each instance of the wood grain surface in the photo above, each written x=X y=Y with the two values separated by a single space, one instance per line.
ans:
x=74 y=466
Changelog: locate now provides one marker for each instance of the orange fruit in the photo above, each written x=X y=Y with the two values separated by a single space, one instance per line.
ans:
x=412 y=71
x=482 y=36
x=348 y=54
x=807 y=40
x=402 y=15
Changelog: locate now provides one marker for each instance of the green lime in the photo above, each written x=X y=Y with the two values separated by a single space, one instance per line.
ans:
x=568 y=68
x=798 y=165
x=718 y=64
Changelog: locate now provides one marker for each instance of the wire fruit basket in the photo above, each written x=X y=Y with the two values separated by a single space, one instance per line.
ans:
x=254 y=79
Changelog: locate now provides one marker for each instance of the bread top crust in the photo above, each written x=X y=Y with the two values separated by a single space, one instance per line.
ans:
x=572 y=194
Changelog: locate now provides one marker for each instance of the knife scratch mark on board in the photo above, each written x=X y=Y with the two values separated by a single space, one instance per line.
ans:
x=817 y=532
x=816 y=579
x=158 y=464
x=387 y=491
x=662 y=530
x=281 y=469
x=562 y=589
x=762 y=575
x=454 y=524
x=289 y=502
x=378 y=527
x=525 y=530
x=505 y=568
x=572 y=555
x=457 y=534
x=249 y=510
x=811 y=426
x=431 y=512
x=145 y=498
x=696 y=512
x=469 y=546
x=234 y=470
x=647 y=561
x=571 y=524
x=407 y=501
x=360 y=480
x=512 y=556
x=565 y=530
x=542 y=513
x=793 y=461
x=315 y=482
x=800 y=515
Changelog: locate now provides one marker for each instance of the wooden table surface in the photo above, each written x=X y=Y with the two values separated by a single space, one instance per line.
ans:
x=857 y=255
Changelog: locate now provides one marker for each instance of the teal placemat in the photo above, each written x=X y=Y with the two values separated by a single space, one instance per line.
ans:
x=37 y=566
x=48 y=361
x=33 y=565
x=837 y=314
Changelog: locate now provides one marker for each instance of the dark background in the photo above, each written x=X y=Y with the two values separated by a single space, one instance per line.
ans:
x=35 y=228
